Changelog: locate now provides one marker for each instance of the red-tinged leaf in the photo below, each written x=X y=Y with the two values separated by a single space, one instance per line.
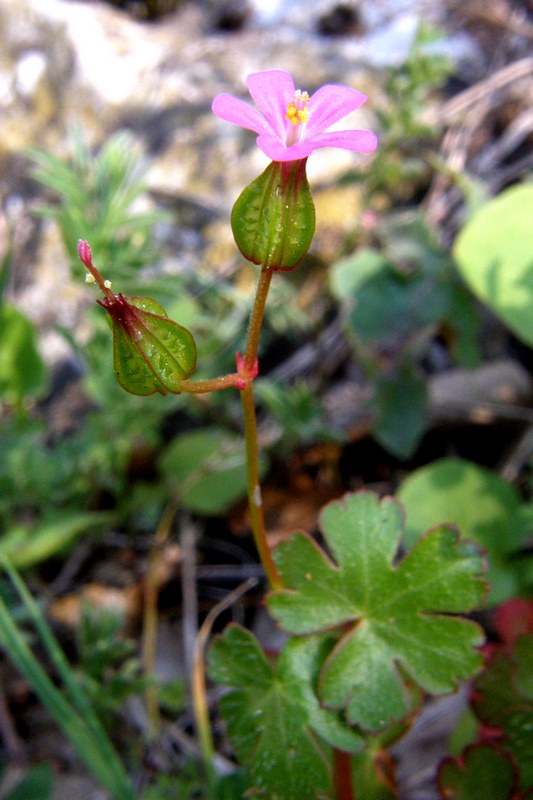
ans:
x=503 y=698
x=514 y=619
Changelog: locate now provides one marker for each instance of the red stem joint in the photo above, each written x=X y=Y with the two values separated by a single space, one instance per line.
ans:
x=245 y=372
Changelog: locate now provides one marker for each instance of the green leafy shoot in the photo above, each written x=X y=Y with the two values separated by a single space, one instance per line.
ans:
x=68 y=705
x=298 y=412
x=22 y=371
x=393 y=619
x=95 y=198
x=110 y=671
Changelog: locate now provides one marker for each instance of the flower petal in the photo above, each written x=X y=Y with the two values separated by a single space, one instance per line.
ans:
x=271 y=91
x=357 y=141
x=329 y=104
x=231 y=109
x=276 y=150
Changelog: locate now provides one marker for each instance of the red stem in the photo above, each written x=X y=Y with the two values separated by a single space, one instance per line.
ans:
x=342 y=776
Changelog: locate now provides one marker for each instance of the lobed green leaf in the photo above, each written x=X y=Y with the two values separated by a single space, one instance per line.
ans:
x=268 y=720
x=393 y=618
x=483 y=506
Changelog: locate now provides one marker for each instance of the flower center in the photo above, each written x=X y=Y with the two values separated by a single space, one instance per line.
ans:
x=297 y=113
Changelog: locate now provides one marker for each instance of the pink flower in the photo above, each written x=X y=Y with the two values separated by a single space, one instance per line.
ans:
x=291 y=124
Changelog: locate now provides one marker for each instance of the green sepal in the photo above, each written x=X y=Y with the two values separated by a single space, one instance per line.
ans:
x=151 y=353
x=273 y=219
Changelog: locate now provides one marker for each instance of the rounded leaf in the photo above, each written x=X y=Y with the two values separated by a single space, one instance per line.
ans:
x=494 y=252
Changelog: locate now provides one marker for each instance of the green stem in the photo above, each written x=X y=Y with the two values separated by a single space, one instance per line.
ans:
x=252 y=345
x=257 y=316
x=257 y=517
x=211 y=384
x=255 y=504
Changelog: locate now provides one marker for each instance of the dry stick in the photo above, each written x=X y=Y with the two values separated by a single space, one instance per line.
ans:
x=189 y=593
x=151 y=592
x=484 y=89
x=199 y=693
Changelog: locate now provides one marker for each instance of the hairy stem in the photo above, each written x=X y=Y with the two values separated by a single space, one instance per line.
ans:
x=257 y=517
x=256 y=318
x=211 y=384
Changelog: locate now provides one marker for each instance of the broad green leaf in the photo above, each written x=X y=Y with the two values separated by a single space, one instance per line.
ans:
x=21 y=367
x=494 y=252
x=26 y=545
x=207 y=467
x=482 y=505
x=482 y=773
x=228 y=787
x=399 y=405
x=273 y=219
x=268 y=720
x=37 y=784
x=395 y=618
x=384 y=304
x=151 y=353
x=503 y=698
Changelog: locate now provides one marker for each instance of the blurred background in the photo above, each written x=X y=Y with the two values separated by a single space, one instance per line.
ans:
x=106 y=134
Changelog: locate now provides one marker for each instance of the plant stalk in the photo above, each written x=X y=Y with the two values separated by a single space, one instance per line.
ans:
x=211 y=384
x=198 y=683
x=257 y=517
x=342 y=775
x=150 y=616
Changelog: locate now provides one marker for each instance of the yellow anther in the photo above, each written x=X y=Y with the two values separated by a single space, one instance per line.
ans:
x=297 y=112
x=90 y=278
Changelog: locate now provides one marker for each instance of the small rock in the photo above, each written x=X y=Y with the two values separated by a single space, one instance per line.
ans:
x=342 y=19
